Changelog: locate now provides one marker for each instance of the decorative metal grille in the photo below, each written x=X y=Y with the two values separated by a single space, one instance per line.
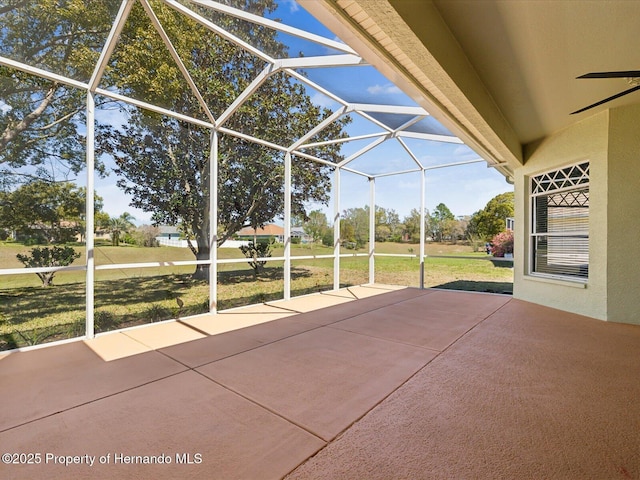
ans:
x=564 y=178
x=573 y=198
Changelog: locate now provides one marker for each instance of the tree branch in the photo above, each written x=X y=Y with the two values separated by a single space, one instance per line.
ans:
x=60 y=120
x=69 y=37
x=8 y=8
x=10 y=134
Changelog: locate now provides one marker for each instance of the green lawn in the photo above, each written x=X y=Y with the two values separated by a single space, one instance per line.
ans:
x=30 y=314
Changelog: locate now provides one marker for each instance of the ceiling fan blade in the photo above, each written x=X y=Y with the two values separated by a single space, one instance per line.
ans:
x=624 y=74
x=613 y=97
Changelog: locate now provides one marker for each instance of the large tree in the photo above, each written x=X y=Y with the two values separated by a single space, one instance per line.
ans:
x=388 y=226
x=51 y=211
x=411 y=225
x=441 y=221
x=164 y=163
x=118 y=226
x=316 y=226
x=41 y=120
x=354 y=226
x=491 y=220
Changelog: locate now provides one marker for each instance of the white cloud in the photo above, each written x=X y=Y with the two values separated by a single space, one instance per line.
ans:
x=293 y=5
x=111 y=116
x=388 y=89
x=323 y=101
x=463 y=150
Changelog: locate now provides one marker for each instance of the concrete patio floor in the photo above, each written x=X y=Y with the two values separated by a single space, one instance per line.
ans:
x=371 y=382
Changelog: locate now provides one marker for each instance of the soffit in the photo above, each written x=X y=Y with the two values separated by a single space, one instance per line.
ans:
x=529 y=53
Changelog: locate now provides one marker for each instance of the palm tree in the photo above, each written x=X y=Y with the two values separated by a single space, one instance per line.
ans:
x=120 y=225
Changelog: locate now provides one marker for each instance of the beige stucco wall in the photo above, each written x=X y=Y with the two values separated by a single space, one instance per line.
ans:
x=623 y=212
x=587 y=140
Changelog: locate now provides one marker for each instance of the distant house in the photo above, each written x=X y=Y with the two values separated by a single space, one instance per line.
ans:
x=269 y=231
x=298 y=232
x=169 y=236
x=101 y=234
x=168 y=232
x=511 y=223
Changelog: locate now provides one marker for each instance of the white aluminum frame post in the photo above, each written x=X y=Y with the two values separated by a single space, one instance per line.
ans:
x=213 y=223
x=372 y=230
x=90 y=219
x=423 y=181
x=336 y=229
x=287 y=226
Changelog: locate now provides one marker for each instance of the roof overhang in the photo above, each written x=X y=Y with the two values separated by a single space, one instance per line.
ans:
x=418 y=53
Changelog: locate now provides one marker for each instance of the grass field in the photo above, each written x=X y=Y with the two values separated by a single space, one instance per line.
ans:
x=30 y=314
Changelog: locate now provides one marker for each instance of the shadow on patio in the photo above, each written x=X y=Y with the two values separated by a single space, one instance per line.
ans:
x=380 y=384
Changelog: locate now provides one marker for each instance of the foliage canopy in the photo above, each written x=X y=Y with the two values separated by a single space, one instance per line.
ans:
x=41 y=120
x=491 y=220
x=48 y=257
x=53 y=212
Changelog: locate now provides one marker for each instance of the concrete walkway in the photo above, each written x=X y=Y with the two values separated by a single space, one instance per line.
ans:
x=364 y=383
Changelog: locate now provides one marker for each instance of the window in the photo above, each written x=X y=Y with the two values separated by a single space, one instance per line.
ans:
x=560 y=222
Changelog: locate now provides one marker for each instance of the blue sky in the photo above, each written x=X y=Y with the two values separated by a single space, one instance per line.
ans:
x=464 y=189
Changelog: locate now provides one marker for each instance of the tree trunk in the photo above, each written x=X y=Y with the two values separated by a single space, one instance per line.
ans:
x=202 y=271
x=46 y=278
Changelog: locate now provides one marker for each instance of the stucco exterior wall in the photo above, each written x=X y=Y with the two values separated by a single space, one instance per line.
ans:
x=623 y=212
x=587 y=140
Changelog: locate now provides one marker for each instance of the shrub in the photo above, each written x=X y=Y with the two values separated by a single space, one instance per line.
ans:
x=76 y=328
x=105 y=321
x=48 y=257
x=157 y=313
x=261 y=249
x=327 y=238
x=475 y=241
x=128 y=239
x=37 y=335
x=34 y=240
x=502 y=243
x=144 y=236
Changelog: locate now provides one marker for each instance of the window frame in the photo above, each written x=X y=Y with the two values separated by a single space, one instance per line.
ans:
x=569 y=178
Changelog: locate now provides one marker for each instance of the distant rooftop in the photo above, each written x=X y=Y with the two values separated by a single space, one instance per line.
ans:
x=268 y=230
